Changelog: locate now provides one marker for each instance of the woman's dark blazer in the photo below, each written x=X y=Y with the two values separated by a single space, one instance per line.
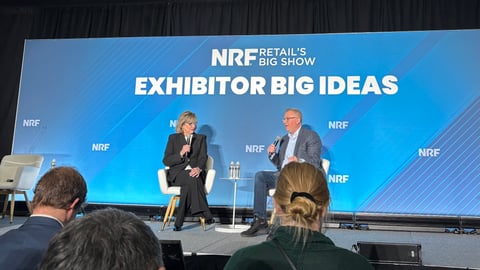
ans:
x=196 y=158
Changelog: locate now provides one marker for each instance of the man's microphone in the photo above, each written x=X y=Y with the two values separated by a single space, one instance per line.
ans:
x=277 y=139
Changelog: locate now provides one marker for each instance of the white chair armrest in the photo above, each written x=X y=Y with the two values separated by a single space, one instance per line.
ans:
x=162 y=180
x=325 y=165
x=209 y=180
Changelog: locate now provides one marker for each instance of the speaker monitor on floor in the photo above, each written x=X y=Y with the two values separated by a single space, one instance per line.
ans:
x=172 y=252
x=391 y=253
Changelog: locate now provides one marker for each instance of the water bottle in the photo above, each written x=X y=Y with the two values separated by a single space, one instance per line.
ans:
x=231 y=170
x=53 y=164
x=237 y=170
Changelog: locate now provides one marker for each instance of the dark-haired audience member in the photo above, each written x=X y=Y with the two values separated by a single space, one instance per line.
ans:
x=58 y=197
x=301 y=200
x=104 y=240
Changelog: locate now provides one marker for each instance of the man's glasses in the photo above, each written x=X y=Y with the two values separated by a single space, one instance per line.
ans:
x=288 y=118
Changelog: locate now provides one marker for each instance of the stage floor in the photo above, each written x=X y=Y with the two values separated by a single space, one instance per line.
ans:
x=437 y=248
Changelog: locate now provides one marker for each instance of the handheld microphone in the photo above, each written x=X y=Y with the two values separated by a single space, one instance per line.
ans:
x=277 y=140
x=189 y=142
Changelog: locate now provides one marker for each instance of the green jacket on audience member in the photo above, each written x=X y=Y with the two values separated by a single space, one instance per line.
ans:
x=319 y=252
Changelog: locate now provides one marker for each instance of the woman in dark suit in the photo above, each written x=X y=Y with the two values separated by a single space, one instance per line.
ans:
x=186 y=155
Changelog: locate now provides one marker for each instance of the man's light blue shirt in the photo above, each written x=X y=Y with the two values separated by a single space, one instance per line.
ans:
x=290 y=146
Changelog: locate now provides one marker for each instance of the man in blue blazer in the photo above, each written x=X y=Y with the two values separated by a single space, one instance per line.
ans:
x=298 y=145
x=58 y=197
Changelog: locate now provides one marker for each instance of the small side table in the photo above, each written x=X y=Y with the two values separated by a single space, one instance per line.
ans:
x=233 y=228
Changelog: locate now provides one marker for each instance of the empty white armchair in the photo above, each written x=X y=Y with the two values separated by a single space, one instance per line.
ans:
x=18 y=174
x=174 y=191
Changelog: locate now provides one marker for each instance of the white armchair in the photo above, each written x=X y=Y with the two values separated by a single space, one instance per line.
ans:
x=174 y=191
x=17 y=175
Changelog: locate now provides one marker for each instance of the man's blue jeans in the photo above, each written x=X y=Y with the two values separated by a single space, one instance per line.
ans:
x=264 y=180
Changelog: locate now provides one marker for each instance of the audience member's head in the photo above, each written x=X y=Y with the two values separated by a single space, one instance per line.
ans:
x=60 y=192
x=104 y=240
x=301 y=198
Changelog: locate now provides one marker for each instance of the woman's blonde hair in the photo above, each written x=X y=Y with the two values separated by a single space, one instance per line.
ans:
x=185 y=117
x=302 y=194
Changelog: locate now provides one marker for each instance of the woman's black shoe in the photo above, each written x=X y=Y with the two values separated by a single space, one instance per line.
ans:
x=177 y=228
x=210 y=221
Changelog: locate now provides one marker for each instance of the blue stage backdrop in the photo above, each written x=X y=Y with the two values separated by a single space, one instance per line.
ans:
x=398 y=113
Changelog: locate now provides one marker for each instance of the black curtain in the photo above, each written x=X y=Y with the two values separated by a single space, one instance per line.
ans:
x=40 y=19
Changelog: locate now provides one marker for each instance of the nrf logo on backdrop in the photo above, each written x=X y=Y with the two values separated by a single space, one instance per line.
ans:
x=254 y=148
x=100 y=147
x=31 y=122
x=233 y=57
x=263 y=57
x=428 y=152
x=338 y=178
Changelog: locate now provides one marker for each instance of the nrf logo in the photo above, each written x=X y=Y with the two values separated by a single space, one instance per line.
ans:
x=100 y=147
x=31 y=122
x=254 y=148
x=233 y=57
x=338 y=178
x=428 y=152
